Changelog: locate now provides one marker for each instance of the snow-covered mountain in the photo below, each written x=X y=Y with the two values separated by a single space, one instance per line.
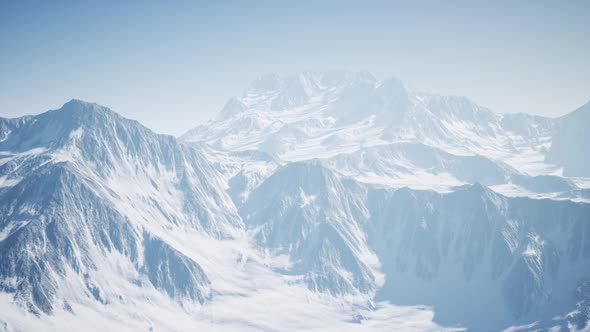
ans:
x=81 y=186
x=482 y=260
x=350 y=118
x=316 y=201
x=318 y=113
x=314 y=217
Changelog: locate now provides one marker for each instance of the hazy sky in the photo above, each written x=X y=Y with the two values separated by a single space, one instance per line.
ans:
x=172 y=65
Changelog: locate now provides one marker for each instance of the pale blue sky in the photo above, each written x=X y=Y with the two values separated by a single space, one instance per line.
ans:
x=173 y=64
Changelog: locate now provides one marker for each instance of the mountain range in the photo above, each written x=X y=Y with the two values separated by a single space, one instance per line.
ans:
x=322 y=200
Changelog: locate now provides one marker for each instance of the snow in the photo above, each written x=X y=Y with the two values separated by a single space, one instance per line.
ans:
x=321 y=201
x=6 y=182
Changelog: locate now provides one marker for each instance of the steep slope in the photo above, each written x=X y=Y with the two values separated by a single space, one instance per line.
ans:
x=570 y=147
x=306 y=212
x=482 y=260
x=83 y=188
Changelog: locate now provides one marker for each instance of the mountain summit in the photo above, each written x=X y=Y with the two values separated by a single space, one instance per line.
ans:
x=307 y=111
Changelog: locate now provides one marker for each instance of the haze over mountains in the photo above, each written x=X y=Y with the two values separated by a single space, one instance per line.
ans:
x=381 y=132
x=316 y=201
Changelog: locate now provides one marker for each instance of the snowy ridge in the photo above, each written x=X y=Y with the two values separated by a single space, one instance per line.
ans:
x=337 y=106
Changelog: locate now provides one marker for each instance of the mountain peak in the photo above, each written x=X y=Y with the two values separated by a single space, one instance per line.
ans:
x=308 y=80
x=74 y=102
x=579 y=113
x=310 y=175
x=476 y=190
x=83 y=106
x=54 y=128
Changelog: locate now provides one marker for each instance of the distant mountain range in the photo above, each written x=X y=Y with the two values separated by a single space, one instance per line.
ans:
x=316 y=201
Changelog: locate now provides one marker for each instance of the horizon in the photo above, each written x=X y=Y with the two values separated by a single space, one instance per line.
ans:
x=173 y=67
x=122 y=112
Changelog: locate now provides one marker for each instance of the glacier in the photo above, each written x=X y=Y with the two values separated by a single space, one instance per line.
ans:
x=320 y=200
